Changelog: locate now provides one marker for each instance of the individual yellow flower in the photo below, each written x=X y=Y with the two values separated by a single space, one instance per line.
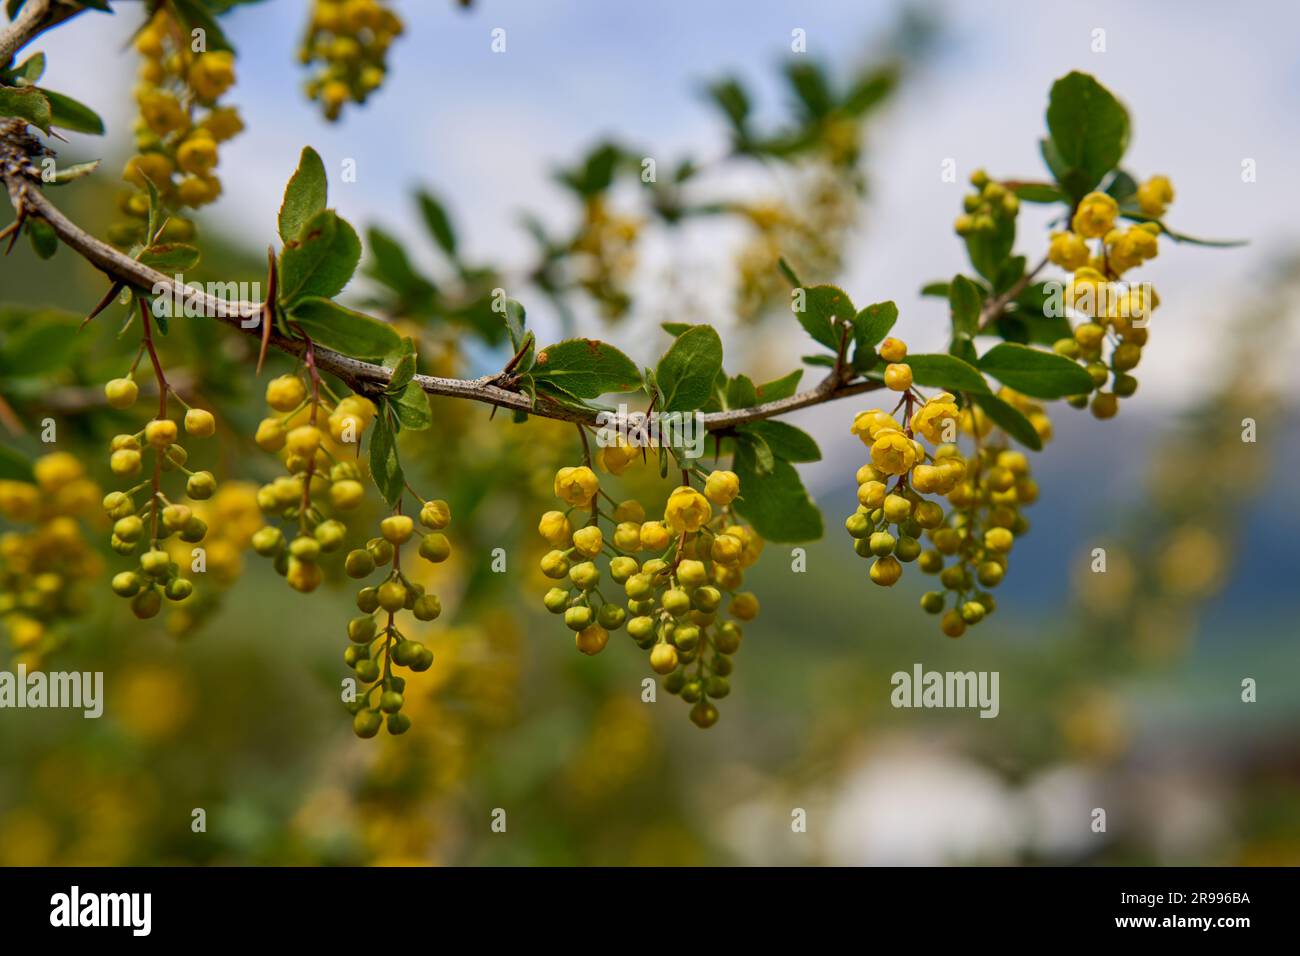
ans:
x=654 y=536
x=211 y=74
x=722 y=487
x=1095 y=216
x=1155 y=195
x=155 y=167
x=1068 y=250
x=576 y=486
x=932 y=418
x=867 y=425
x=616 y=458
x=162 y=112
x=898 y=377
x=588 y=540
x=223 y=123
x=687 y=510
x=893 y=453
x=1131 y=247
x=555 y=528
x=198 y=154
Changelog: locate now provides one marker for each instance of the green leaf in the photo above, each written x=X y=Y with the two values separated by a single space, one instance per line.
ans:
x=1038 y=193
x=1182 y=236
x=304 y=196
x=780 y=388
x=27 y=73
x=195 y=16
x=870 y=89
x=26 y=104
x=1035 y=372
x=322 y=262
x=989 y=251
x=826 y=309
x=732 y=100
x=15 y=466
x=1122 y=187
x=936 y=290
x=385 y=467
x=43 y=343
x=1010 y=420
x=343 y=330
x=872 y=324
x=67 y=113
x=403 y=372
x=947 y=372
x=965 y=300
x=741 y=392
x=170 y=257
x=824 y=361
x=45 y=243
x=788 y=271
x=412 y=408
x=785 y=440
x=390 y=266
x=675 y=328
x=586 y=368
x=1089 y=130
x=776 y=504
x=808 y=80
x=758 y=448
x=686 y=372
x=70 y=173
x=439 y=223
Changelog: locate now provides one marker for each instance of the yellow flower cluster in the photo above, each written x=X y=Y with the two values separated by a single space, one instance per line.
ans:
x=350 y=41
x=987 y=209
x=317 y=467
x=159 y=518
x=606 y=256
x=377 y=645
x=1115 y=311
x=44 y=557
x=675 y=596
x=179 y=128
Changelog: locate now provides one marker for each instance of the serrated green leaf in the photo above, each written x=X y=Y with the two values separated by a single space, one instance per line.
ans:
x=687 y=371
x=776 y=504
x=28 y=104
x=946 y=372
x=1035 y=372
x=411 y=406
x=67 y=113
x=344 y=330
x=403 y=372
x=304 y=196
x=785 y=440
x=1010 y=420
x=1089 y=130
x=872 y=324
x=741 y=392
x=322 y=262
x=586 y=368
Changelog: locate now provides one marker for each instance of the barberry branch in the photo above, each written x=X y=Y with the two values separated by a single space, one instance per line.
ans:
x=35 y=17
x=20 y=173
